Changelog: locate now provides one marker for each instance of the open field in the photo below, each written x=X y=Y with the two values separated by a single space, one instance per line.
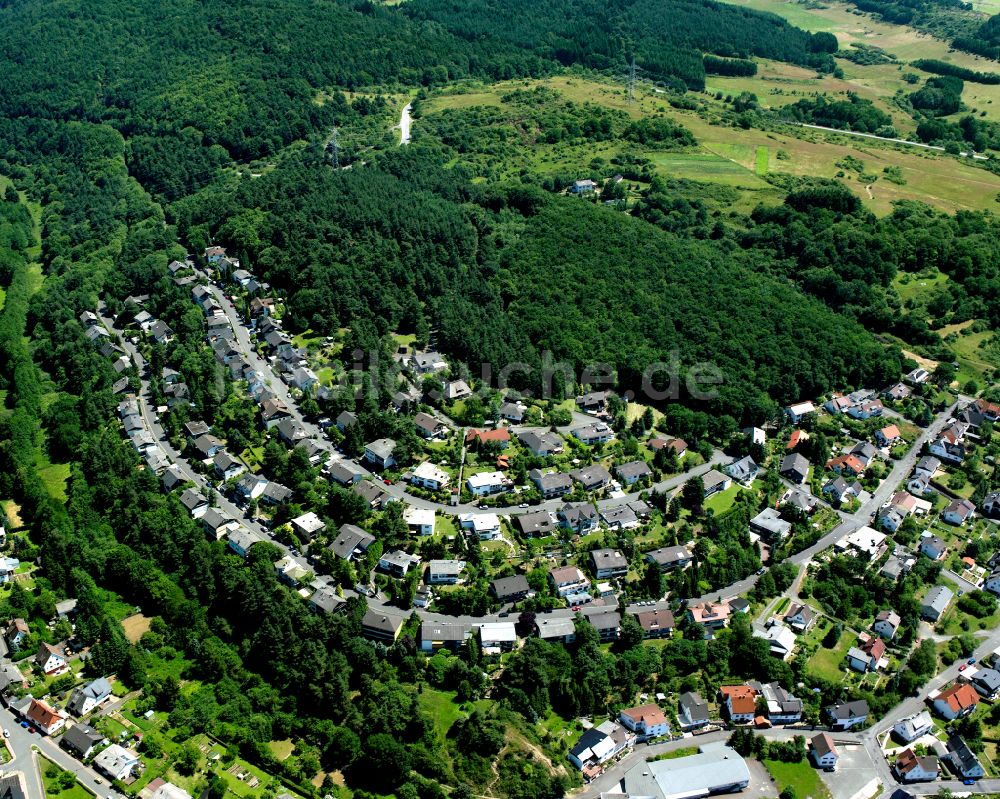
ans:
x=802 y=777
x=906 y=44
x=732 y=157
x=136 y=626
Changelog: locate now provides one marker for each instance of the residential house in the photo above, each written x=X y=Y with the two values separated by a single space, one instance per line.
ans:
x=542 y=444
x=608 y=563
x=593 y=401
x=510 y=589
x=290 y=571
x=927 y=466
x=291 y=432
x=497 y=637
x=823 y=752
x=513 y=412
x=45 y=718
x=992 y=583
x=343 y=474
x=373 y=494
x=780 y=640
x=427 y=363
x=598 y=745
x=897 y=392
x=744 y=470
x=655 y=623
x=207 y=446
x=864 y=541
x=633 y=471
x=866 y=410
x=173 y=477
x=933 y=547
x=795 y=468
x=429 y=427
x=556 y=630
x=865 y=452
x=581 y=519
x=397 y=563
x=986 y=682
x=888 y=436
x=991 y=504
x=799 y=617
x=17 y=631
x=913 y=727
x=847 y=715
x=769 y=524
x=486 y=483
x=710 y=615
x=620 y=517
x=886 y=624
x=935 y=603
x=227 y=467
x=536 y=523
x=692 y=711
x=917 y=377
x=594 y=433
x=568 y=580
x=250 y=487
x=796 y=438
x=585 y=186
x=485 y=526
x=88 y=697
x=444 y=635
x=51 y=660
x=308 y=525
x=118 y=763
x=456 y=390
x=379 y=453
x=958 y=512
x=608 y=624
x=592 y=478
x=911 y=768
x=963 y=760
x=476 y=439
x=346 y=419
x=381 y=625
x=866 y=657
x=782 y=707
x=669 y=558
x=715 y=482
x=646 y=721
x=326 y=600
x=796 y=412
x=958 y=701
x=551 y=484
x=82 y=740
x=427 y=475
x=948 y=448
x=848 y=465
x=351 y=541
x=678 y=445
x=420 y=521
x=445 y=572
x=740 y=702
x=838 y=490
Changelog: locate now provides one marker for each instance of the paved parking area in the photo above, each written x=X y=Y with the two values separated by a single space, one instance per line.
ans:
x=761 y=785
x=855 y=774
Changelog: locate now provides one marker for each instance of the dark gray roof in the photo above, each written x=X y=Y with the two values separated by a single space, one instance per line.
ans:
x=350 y=538
x=508 y=586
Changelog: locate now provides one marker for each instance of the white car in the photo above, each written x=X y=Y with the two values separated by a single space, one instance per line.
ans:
x=6 y=733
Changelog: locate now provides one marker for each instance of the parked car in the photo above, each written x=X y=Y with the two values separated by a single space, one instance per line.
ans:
x=970 y=661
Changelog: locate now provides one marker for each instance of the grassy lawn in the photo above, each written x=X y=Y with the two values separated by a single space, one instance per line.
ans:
x=54 y=477
x=442 y=707
x=724 y=500
x=801 y=777
x=686 y=751
x=829 y=663
x=760 y=166
x=53 y=780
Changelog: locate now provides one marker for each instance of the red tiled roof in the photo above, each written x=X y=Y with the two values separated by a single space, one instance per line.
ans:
x=651 y=715
x=960 y=697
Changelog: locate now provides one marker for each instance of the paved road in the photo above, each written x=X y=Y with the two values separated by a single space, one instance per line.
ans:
x=886 y=139
x=404 y=124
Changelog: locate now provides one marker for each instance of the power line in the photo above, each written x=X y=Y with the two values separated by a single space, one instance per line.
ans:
x=333 y=148
x=631 y=81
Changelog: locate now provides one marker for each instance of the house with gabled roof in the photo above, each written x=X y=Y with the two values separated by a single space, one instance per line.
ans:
x=911 y=768
x=847 y=715
x=743 y=471
x=89 y=697
x=646 y=721
x=823 y=752
x=692 y=711
x=51 y=660
x=886 y=624
x=957 y=701
x=45 y=718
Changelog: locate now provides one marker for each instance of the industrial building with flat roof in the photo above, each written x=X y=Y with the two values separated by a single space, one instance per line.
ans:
x=715 y=769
